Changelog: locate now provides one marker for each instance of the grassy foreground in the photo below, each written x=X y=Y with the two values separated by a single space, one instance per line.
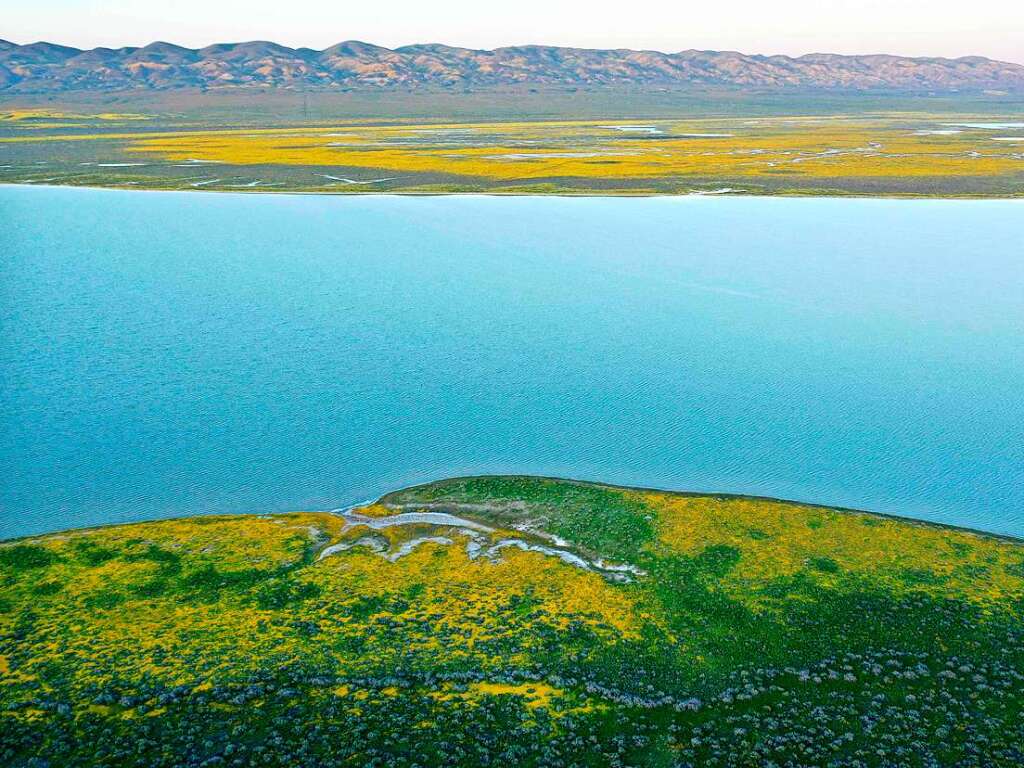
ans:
x=912 y=154
x=623 y=627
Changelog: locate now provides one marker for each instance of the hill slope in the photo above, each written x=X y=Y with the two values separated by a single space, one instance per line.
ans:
x=501 y=621
x=47 y=67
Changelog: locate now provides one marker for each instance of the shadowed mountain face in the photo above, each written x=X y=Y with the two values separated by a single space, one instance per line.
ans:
x=45 y=67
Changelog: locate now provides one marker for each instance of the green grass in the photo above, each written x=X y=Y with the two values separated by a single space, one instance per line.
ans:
x=566 y=509
x=759 y=633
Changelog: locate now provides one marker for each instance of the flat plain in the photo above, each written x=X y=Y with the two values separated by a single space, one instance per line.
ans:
x=501 y=620
x=793 y=148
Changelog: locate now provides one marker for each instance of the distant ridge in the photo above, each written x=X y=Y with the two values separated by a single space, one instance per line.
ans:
x=47 y=67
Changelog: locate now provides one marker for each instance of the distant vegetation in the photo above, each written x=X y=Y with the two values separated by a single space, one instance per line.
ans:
x=625 y=628
x=869 y=153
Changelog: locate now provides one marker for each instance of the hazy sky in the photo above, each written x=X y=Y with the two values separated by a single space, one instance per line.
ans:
x=910 y=27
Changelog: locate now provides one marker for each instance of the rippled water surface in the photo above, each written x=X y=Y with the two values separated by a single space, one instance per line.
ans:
x=167 y=354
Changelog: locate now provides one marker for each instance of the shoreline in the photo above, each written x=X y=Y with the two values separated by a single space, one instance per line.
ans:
x=717 y=495
x=625 y=195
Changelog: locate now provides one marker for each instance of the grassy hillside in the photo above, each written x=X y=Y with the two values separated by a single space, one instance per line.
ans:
x=499 y=621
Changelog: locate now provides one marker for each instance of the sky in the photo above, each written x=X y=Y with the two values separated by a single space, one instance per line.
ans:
x=905 y=27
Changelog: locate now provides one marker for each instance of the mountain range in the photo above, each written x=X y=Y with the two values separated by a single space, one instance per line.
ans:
x=47 y=67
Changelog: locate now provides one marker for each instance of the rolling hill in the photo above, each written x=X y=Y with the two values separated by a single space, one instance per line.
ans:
x=46 y=67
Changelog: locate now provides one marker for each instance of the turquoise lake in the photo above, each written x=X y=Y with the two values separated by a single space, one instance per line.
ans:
x=166 y=354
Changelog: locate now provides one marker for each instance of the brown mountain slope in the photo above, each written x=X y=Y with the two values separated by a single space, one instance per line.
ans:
x=43 y=67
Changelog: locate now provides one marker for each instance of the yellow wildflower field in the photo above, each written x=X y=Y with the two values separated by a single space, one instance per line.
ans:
x=885 y=153
x=532 y=613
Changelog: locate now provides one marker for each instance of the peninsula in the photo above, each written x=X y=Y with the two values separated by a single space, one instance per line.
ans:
x=500 y=620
